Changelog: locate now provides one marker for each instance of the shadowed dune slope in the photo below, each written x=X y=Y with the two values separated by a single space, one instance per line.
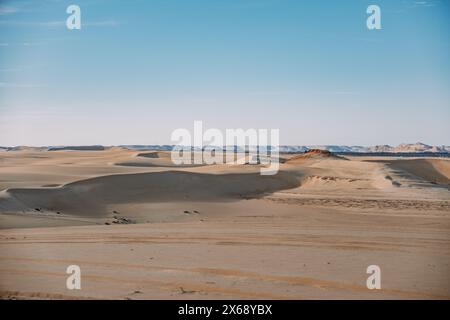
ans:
x=432 y=170
x=91 y=196
x=154 y=159
x=154 y=163
x=153 y=155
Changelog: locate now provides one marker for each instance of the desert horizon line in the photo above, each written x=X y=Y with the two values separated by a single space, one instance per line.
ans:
x=418 y=143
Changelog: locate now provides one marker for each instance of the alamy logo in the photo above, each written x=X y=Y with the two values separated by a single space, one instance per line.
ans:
x=374 y=20
x=74 y=20
x=374 y=280
x=74 y=280
x=240 y=146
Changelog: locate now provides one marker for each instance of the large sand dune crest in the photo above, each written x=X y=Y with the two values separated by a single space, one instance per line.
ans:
x=90 y=196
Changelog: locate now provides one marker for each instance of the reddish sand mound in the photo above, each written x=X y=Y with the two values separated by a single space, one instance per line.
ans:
x=323 y=153
x=314 y=154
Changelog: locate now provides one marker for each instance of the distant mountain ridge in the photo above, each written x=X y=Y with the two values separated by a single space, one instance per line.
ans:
x=404 y=147
x=417 y=147
x=401 y=148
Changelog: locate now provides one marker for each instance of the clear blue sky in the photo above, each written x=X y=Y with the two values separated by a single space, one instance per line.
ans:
x=139 y=69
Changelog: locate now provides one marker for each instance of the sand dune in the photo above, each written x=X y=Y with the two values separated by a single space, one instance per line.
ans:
x=91 y=195
x=313 y=154
x=221 y=231
x=77 y=148
x=154 y=159
x=154 y=154
x=432 y=170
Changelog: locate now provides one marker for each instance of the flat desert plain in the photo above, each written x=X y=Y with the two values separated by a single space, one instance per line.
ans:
x=140 y=227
